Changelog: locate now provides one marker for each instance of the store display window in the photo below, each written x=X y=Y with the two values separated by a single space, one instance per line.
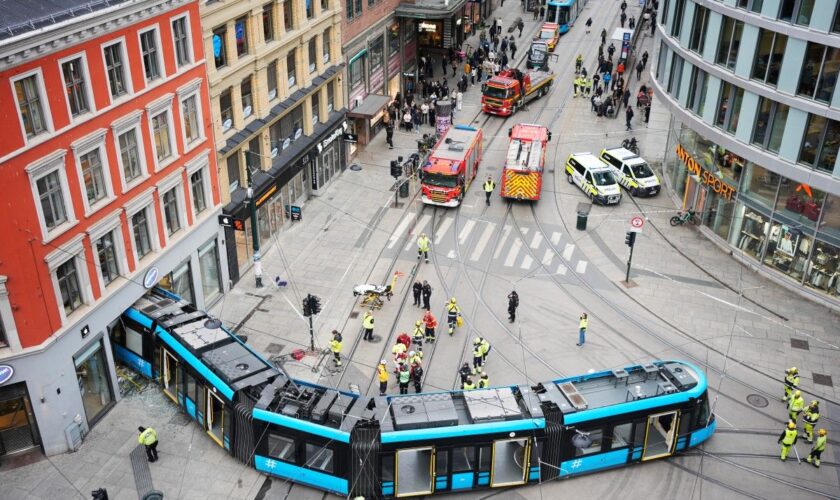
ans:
x=179 y=282
x=799 y=202
x=788 y=249
x=94 y=382
x=749 y=231
x=823 y=270
x=760 y=185
x=829 y=225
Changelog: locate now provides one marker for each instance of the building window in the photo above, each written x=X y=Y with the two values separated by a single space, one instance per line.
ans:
x=208 y=261
x=197 y=186
x=676 y=74
x=330 y=97
x=698 y=29
x=730 y=40
x=371 y=3
x=288 y=17
x=142 y=237
x=316 y=106
x=768 y=57
x=92 y=371
x=291 y=68
x=676 y=25
x=181 y=36
x=729 y=107
x=220 y=46
x=160 y=132
x=246 y=97
x=377 y=54
x=268 y=22
x=835 y=26
x=75 y=86
x=796 y=11
x=325 y=44
x=750 y=5
x=93 y=176
x=115 y=68
x=358 y=8
x=313 y=54
x=51 y=195
x=697 y=90
x=310 y=9
x=28 y=96
x=241 y=30
x=770 y=124
x=271 y=80
x=357 y=73
x=4 y=338
x=226 y=108
x=349 y=9
x=107 y=254
x=192 y=123
x=148 y=47
x=233 y=171
x=69 y=286
x=819 y=72
x=170 y=211
x=325 y=5
x=819 y=147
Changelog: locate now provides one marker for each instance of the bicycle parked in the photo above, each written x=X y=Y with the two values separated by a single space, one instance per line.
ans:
x=681 y=218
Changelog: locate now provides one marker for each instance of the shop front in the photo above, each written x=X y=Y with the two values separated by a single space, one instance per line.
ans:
x=438 y=27
x=18 y=427
x=780 y=225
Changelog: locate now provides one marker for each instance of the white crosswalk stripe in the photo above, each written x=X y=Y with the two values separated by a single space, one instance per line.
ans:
x=482 y=241
x=444 y=227
x=395 y=236
x=505 y=234
x=581 y=267
x=451 y=254
x=525 y=230
x=567 y=252
x=536 y=240
x=526 y=262
x=548 y=257
x=555 y=238
x=418 y=230
x=514 y=251
x=465 y=231
x=561 y=269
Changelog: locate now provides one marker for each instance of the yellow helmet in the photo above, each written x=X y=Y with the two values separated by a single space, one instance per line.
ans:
x=791 y=425
x=796 y=394
x=477 y=340
x=452 y=300
x=793 y=370
x=417 y=323
x=815 y=403
x=823 y=432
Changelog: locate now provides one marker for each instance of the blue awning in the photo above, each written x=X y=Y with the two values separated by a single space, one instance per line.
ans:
x=358 y=55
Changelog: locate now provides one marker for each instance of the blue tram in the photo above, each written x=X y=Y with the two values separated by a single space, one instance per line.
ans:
x=399 y=446
x=563 y=12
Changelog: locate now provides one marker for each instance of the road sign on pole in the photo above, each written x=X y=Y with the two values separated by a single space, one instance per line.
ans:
x=636 y=224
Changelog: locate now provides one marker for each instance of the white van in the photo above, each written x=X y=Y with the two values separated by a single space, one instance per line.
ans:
x=593 y=177
x=632 y=172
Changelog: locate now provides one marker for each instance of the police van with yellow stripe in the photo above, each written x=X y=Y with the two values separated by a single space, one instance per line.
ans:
x=593 y=177
x=632 y=171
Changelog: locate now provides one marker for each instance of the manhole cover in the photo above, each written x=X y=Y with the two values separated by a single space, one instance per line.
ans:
x=821 y=379
x=799 y=344
x=757 y=400
x=354 y=314
x=355 y=167
x=273 y=348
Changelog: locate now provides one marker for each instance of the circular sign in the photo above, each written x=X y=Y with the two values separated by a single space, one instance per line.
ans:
x=151 y=277
x=6 y=373
x=637 y=222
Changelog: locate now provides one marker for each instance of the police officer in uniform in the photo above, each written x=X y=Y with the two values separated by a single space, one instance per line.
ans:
x=464 y=372
x=404 y=377
x=367 y=324
x=818 y=448
x=787 y=439
x=335 y=347
x=417 y=289
x=452 y=313
x=427 y=295
x=513 y=303
x=148 y=438
x=812 y=415
x=423 y=247
x=791 y=382
x=484 y=381
x=489 y=186
x=417 y=377
x=796 y=405
x=382 y=373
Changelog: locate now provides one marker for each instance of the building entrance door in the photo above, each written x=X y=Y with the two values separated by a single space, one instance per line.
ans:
x=18 y=431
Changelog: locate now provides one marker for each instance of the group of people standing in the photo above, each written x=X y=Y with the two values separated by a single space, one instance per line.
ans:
x=811 y=414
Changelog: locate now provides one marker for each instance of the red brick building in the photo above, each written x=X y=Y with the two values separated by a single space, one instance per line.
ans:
x=110 y=186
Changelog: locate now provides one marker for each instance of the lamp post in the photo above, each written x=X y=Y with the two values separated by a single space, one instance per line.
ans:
x=252 y=202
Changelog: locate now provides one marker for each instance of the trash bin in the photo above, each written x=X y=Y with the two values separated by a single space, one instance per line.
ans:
x=404 y=189
x=582 y=215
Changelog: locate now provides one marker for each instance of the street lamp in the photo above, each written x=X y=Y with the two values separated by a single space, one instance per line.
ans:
x=254 y=227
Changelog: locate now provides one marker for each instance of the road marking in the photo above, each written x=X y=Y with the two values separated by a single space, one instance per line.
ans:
x=567 y=253
x=526 y=262
x=561 y=269
x=398 y=232
x=444 y=227
x=717 y=415
x=536 y=240
x=581 y=267
x=482 y=241
x=525 y=230
x=555 y=238
x=418 y=229
x=742 y=329
x=465 y=232
x=548 y=257
x=451 y=254
x=514 y=251
x=505 y=234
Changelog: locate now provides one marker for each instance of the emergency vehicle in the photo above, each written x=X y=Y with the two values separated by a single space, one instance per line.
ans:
x=451 y=166
x=550 y=32
x=632 y=171
x=503 y=95
x=593 y=177
x=525 y=162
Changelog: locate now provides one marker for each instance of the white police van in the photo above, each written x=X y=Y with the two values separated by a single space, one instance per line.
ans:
x=593 y=177
x=632 y=172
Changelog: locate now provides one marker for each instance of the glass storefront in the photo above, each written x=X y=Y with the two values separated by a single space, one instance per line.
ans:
x=179 y=282
x=784 y=225
x=211 y=280
x=94 y=383
x=18 y=430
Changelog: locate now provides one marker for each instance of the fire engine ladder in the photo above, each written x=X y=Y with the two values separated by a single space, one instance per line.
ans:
x=534 y=156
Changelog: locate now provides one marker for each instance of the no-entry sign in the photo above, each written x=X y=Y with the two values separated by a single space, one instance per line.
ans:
x=636 y=224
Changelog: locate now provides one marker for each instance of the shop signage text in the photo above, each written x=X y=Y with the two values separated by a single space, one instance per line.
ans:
x=6 y=373
x=430 y=27
x=329 y=139
x=708 y=178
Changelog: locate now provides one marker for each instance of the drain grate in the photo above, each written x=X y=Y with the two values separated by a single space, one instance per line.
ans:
x=274 y=348
x=821 y=379
x=757 y=400
x=354 y=314
x=799 y=344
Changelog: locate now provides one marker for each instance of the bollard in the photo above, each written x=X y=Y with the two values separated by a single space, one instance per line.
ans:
x=582 y=215
x=404 y=189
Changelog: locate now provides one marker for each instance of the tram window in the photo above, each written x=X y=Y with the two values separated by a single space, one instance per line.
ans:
x=597 y=436
x=621 y=435
x=319 y=457
x=686 y=418
x=387 y=467
x=281 y=447
x=442 y=462
x=227 y=423
x=702 y=414
x=484 y=458
x=189 y=385
x=536 y=452
x=462 y=458
x=639 y=432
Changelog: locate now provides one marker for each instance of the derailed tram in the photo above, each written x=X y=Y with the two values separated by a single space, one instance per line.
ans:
x=407 y=445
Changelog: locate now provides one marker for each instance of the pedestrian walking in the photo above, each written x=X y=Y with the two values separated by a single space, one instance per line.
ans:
x=417 y=377
x=647 y=112
x=791 y=382
x=464 y=372
x=407 y=120
x=631 y=23
x=417 y=290
x=582 y=326
x=578 y=63
x=453 y=312
x=622 y=19
x=512 y=49
x=588 y=24
x=389 y=134
x=382 y=374
x=404 y=378
x=603 y=36
x=148 y=438
x=596 y=78
x=478 y=359
x=335 y=347
x=485 y=349
x=653 y=24
x=427 y=295
x=787 y=439
x=489 y=186
x=454 y=64
x=818 y=448
x=444 y=61
x=484 y=381
x=415 y=118
x=588 y=82
x=367 y=324
x=628 y=115
x=639 y=68
x=521 y=24
x=431 y=326
x=611 y=50
x=644 y=59
x=812 y=416
x=625 y=97
x=513 y=303
x=423 y=247
x=795 y=406
x=623 y=5
x=459 y=99
x=575 y=86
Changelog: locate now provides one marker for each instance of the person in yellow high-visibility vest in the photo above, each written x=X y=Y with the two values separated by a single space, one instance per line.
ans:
x=796 y=405
x=812 y=415
x=787 y=439
x=382 y=373
x=423 y=247
x=489 y=186
x=148 y=438
x=582 y=326
x=818 y=448
x=367 y=324
x=335 y=347
x=453 y=311
x=791 y=382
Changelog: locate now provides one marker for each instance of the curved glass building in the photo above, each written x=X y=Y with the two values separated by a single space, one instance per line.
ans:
x=755 y=130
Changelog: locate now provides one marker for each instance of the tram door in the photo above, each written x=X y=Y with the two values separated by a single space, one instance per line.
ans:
x=169 y=374
x=216 y=418
x=415 y=472
x=510 y=462
x=660 y=435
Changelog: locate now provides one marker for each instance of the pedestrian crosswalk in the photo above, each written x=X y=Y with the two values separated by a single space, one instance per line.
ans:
x=526 y=248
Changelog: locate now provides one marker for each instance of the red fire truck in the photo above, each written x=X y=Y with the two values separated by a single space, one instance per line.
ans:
x=523 y=170
x=451 y=166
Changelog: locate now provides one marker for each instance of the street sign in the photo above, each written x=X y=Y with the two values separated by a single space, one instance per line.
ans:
x=225 y=220
x=636 y=224
x=238 y=224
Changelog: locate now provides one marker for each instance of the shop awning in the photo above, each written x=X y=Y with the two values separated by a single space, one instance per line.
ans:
x=370 y=106
x=619 y=33
x=429 y=9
